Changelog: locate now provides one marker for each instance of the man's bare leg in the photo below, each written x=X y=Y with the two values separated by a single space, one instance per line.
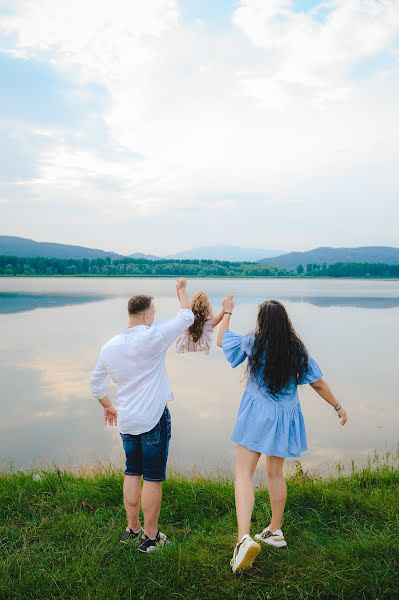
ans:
x=151 y=498
x=131 y=500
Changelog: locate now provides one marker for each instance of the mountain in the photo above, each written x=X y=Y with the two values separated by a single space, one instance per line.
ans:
x=363 y=254
x=17 y=246
x=147 y=256
x=231 y=253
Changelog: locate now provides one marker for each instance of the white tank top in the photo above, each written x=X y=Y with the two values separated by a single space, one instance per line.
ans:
x=185 y=342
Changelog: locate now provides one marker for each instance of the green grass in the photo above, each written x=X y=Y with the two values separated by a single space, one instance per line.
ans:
x=60 y=539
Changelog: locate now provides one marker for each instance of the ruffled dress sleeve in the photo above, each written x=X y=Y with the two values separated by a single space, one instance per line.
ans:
x=236 y=347
x=313 y=373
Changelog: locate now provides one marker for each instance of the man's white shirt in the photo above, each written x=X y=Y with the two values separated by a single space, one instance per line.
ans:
x=135 y=360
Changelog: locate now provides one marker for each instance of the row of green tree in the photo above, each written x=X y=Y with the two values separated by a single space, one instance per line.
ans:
x=14 y=265
x=348 y=269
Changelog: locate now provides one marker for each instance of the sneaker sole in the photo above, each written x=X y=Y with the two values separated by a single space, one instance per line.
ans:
x=155 y=548
x=248 y=558
x=281 y=544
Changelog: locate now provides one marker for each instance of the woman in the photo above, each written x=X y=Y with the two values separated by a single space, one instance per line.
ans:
x=270 y=419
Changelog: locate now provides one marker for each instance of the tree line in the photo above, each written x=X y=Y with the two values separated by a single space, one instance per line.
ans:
x=141 y=267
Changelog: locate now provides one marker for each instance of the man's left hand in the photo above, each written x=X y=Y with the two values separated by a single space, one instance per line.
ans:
x=111 y=416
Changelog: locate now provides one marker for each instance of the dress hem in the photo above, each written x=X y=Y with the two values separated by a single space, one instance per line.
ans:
x=256 y=448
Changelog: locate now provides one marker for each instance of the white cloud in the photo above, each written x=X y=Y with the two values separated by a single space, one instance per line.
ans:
x=315 y=54
x=193 y=114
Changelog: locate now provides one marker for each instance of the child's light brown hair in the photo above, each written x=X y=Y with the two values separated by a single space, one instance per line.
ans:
x=202 y=310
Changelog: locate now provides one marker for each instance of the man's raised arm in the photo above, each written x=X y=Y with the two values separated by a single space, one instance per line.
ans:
x=174 y=327
x=181 y=290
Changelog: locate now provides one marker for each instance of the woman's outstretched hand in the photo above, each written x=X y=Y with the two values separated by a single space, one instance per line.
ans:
x=342 y=416
x=228 y=303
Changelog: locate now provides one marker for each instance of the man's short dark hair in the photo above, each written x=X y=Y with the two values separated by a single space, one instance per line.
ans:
x=138 y=304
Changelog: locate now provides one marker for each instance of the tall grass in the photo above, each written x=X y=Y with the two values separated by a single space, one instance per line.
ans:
x=60 y=530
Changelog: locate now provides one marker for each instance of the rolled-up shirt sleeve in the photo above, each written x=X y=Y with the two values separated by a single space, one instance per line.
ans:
x=99 y=379
x=170 y=330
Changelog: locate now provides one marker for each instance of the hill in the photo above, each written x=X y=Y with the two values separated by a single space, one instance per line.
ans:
x=343 y=539
x=24 y=247
x=146 y=256
x=318 y=256
x=230 y=253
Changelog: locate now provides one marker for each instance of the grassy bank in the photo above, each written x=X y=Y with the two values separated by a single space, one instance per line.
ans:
x=59 y=538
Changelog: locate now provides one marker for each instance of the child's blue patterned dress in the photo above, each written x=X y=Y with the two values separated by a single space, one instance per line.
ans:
x=268 y=424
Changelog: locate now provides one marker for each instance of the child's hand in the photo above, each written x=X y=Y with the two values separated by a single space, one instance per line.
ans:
x=228 y=303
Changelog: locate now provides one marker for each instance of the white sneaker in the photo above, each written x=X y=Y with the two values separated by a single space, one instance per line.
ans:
x=244 y=554
x=273 y=538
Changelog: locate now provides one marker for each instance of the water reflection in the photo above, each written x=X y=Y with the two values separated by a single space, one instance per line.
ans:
x=46 y=356
x=20 y=302
x=355 y=302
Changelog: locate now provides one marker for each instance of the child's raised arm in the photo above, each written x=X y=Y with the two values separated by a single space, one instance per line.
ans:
x=216 y=320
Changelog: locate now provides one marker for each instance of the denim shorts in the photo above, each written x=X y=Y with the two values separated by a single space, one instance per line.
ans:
x=147 y=453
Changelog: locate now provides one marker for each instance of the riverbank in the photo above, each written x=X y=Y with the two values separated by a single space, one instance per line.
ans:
x=60 y=534
x=188 y=277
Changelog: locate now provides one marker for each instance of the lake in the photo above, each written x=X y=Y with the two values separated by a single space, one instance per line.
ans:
x=51 y=330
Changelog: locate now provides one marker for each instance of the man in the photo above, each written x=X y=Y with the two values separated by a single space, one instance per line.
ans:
x=135 y=360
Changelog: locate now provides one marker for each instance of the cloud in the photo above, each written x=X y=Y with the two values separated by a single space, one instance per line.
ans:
x=313 y=55
x=172 y=113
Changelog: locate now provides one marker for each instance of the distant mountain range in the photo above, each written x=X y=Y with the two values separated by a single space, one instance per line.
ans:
x=17 y=246
x=147 y=256
x=23 y=247
x=363 y=254
x=231 y=253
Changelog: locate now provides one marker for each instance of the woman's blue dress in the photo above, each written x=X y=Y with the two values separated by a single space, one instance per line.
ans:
x=267 y=423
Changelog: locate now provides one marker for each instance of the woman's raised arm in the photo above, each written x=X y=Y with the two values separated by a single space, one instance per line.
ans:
x=227 y=306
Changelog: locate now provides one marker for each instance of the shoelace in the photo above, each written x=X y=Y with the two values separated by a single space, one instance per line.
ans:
x=266 y=533
x=236 y=549
x=235 y=553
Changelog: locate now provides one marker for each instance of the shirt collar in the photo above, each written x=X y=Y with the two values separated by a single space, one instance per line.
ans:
x=131 y=329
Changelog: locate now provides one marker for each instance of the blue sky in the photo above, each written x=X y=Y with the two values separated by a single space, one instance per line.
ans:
x=170 y=125
x=217 y=14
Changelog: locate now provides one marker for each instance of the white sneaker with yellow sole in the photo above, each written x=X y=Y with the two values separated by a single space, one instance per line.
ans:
x=244 y=554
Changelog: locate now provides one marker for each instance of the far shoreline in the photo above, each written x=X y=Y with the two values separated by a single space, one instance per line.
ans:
x=142 y=276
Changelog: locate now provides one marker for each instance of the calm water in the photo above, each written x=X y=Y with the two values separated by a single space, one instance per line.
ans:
x=51 y=331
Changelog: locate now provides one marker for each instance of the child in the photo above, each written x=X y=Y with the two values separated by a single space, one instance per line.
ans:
x=198 y=338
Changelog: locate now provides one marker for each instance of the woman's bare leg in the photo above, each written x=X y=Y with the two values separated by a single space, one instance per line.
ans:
x=277 y=490
x=246 y=461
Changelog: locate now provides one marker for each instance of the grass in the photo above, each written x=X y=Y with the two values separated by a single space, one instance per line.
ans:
x=59 y=536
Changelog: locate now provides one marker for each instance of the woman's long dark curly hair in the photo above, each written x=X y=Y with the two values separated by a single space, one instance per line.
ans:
x=287 y=357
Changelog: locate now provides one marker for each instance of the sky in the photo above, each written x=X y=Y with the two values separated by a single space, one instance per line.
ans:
x=164 y=125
